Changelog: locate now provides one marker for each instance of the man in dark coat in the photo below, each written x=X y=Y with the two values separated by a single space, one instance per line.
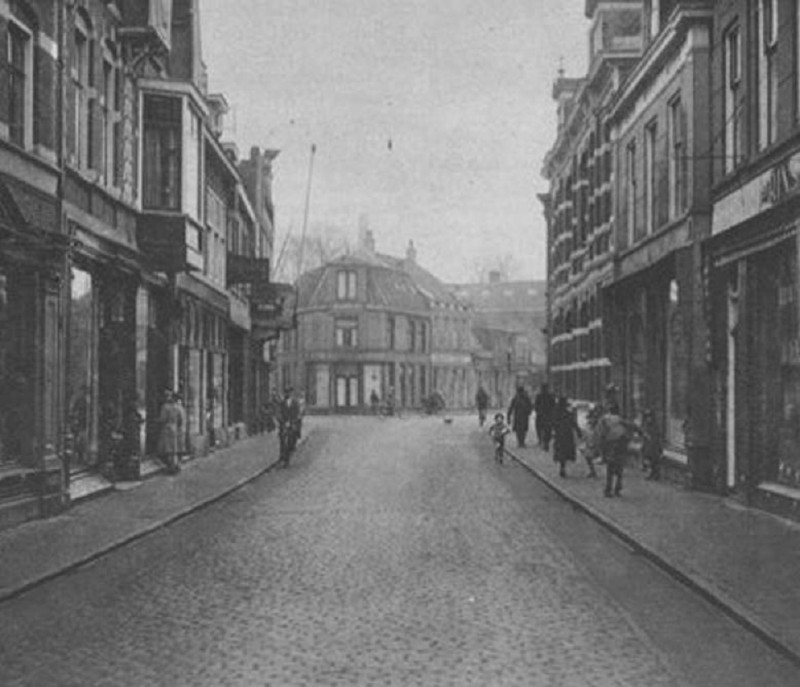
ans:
x=288 y=417
x=519 y=413
x=565 y=426
x=544 y=405
x=481 y=403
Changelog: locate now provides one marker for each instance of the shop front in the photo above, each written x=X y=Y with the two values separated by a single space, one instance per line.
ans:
x=652 y=319
x=755 y=314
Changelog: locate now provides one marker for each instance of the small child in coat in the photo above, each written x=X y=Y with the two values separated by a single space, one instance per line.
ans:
x=498 y=431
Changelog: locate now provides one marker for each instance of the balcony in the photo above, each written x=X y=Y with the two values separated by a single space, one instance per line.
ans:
x=245 y=270
x=171 y=242
x=269 y=310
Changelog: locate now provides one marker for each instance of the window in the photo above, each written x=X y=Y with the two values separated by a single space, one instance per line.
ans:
x=733 y=106
x=767 y=72
x=650 y=138
x=347 y=333
x=346 y=285
x=630 y=189
x=109 y=131
x=20 y=85
x=412 y=335
x=390 y=329
x=81 y=61
x=161 y=171
x=677 y=160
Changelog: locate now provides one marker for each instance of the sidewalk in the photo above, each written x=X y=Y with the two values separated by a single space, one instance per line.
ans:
x=743 y=560
x=42 y=549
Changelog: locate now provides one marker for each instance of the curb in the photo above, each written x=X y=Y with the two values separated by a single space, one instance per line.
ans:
x=708 y=591
x=137 y=534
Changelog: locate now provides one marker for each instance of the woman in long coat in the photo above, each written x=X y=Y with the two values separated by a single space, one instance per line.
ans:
x=171 y=419
x=519 y=414
x=565 y=426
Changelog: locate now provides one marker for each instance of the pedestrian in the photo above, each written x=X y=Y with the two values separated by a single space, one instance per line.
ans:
x=374 y=402
x=498 y=431
x=544 y=405
x=613 y=434
x=652 y=445
x=481 y=403
x=590 y=447
x=520 y=410
x=182 y=447
x=171 y=426
x=288 y=419
x=565 y=426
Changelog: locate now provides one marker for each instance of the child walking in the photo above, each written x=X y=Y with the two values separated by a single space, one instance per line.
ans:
x=498 y=431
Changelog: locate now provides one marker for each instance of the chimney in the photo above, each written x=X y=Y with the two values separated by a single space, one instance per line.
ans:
x=494 y=277
x=411 y=252
x=367 y=240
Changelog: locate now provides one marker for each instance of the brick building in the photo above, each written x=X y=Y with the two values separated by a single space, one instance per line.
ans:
x=579 y=207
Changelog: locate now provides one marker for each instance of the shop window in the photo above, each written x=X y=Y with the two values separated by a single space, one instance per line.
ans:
x=788 y=468
x=677 y=375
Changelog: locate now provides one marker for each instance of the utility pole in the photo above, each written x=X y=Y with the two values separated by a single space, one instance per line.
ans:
x=305 y=213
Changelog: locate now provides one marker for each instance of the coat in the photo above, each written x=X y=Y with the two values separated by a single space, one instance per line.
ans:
x=565 y=427
x=545 y=406
x=519 y=412
x=172 y=420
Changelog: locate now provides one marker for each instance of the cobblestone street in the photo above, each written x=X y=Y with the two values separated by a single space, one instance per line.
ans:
x=391 y=552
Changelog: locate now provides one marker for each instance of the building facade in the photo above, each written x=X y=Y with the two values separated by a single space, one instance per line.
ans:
x=120 y=210
x=752 y=253
x=660 y=123
x=508 y=325
x=579 y=208
x=369 y=322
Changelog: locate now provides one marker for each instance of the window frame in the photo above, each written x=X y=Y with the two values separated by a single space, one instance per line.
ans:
x=346 y=332
x=650 y=164
x=24 y=125
x=731 y=111
x=346 y=285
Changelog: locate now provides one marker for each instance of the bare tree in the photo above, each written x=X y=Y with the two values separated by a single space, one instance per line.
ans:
x=481 y=267
x=323 y=243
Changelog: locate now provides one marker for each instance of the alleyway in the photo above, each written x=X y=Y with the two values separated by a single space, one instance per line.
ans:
x=391 y=552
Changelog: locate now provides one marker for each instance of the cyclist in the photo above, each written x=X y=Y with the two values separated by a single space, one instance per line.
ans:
x=498 y=432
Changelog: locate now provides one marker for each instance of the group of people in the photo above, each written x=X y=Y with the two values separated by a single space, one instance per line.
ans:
x=606 y=438
x=284 y=413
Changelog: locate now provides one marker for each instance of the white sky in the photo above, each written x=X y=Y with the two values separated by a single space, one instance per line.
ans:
x=462 y=88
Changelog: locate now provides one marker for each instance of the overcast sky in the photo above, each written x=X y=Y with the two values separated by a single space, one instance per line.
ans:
x=461 y=89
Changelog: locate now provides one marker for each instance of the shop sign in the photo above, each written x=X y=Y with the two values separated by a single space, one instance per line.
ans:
x=767 y=190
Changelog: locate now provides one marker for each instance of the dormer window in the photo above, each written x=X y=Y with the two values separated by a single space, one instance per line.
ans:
x=346 y=285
